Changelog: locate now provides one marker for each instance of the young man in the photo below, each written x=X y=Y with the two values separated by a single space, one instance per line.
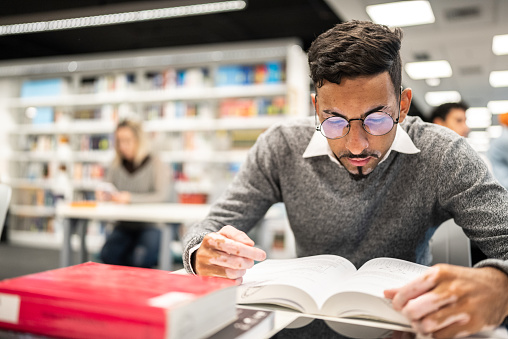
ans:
x=453 y=116
x=371 y=182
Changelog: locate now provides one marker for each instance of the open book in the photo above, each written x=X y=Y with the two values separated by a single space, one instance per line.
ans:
x=329 y=285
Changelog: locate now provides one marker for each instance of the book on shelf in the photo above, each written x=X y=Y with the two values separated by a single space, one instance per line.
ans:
x=249 y=323
x=329 y=286
x=94 y=300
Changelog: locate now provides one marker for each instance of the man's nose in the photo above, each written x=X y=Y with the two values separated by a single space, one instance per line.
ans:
x=356 y=141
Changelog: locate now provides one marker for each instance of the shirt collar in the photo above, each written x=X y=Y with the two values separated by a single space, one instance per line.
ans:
x=318 y=146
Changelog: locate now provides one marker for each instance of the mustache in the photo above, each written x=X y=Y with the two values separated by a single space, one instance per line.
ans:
x=361 y=155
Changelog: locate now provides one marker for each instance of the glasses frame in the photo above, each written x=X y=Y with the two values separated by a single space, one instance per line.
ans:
x=320 y=129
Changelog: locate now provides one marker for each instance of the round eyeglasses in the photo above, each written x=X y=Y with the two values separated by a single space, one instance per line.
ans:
x=376 y=123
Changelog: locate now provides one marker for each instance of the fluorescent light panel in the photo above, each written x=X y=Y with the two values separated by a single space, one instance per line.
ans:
x=428 y=69
x=441 y=97
x=478 y=117
x=119 y=18
x=402 y=13
x=498 y=106
x=498 y=79
x=500 y=44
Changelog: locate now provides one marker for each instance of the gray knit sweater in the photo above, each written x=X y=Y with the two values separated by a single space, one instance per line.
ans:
x=391 y=213
x=148 y=184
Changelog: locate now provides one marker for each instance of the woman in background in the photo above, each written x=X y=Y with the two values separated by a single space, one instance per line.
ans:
x=139 y=177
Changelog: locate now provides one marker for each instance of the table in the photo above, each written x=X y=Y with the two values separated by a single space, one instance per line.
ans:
x=163 y=215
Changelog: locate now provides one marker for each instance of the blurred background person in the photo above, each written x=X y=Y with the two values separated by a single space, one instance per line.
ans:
x=453 y=116
x=498 y=153
x=137 y=176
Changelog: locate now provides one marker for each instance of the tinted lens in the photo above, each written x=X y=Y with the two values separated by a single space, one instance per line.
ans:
x=378 y=123
x=334 y=127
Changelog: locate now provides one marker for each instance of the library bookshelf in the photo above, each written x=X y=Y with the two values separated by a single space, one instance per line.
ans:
x=201 y=106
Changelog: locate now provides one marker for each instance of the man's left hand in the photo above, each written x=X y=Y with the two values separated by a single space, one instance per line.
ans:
x=452 y=301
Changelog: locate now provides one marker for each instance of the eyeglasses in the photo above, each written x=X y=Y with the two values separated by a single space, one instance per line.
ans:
x=376 y=123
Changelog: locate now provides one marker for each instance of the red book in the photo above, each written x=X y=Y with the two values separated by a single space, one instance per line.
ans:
x=95 y=300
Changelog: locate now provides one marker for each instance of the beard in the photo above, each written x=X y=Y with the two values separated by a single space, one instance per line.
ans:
x=358 y=176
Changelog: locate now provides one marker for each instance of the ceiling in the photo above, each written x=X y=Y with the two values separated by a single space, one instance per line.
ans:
x=261 y=19
x=462 y=34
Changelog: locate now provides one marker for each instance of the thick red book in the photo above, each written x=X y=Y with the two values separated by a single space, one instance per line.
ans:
x=93 y=300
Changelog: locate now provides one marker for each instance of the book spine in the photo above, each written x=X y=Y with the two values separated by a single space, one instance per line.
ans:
x=55 y=320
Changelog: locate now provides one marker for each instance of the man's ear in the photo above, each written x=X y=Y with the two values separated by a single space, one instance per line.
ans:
x=313 y=98
x=405 y=102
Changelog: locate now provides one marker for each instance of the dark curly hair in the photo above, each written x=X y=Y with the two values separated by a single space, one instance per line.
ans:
x=356 y=48
x=443 y=110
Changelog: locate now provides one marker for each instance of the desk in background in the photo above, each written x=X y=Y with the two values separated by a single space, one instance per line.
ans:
x=163 y=215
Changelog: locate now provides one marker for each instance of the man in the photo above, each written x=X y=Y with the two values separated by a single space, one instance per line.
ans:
x=498 y=153
x=372 y=182
x=453 y=116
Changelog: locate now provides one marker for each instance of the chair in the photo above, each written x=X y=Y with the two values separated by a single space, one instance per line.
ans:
x=450 y=245
x=5 y=199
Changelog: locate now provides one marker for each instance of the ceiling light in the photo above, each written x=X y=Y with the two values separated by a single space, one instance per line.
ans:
x=498 y=106
x=433 y=82
x=500 y=44
x=118 y=18
x=402 y=13
x=441 y=97
x=495 y=131
x=478 y=117
x=498 y=79
x=428 y=69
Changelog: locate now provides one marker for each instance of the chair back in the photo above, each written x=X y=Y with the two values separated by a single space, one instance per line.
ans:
x=450 y=245
x=5 y=199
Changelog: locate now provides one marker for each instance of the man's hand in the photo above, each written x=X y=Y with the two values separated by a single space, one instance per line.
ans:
x=452 y=301
x=227 y=253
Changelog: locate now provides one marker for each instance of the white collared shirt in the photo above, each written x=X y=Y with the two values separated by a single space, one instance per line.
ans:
x=318 y=146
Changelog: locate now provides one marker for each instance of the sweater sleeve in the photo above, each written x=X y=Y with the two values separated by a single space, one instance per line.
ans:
x=477 y=202
x=253 y=190
x=161 y=185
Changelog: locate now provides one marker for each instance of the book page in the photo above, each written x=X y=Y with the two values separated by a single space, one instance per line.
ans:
x=379 y=274
x=318 y=276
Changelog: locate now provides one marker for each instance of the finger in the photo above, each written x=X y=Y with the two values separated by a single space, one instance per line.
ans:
x=217 y=241
x=391 y=293
x=219 y=271
x=417 y=287
x=431 y=325
x=235 y=234
x=231 y=261
x=426 y=304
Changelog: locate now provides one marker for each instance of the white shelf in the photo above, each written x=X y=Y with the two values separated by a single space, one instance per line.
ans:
x=77 y=127
x=163 y=95
x=197 y=124
x=32 y=211
x=82 y=156
x=204 y=156
x=162 y=125
x=88 y=185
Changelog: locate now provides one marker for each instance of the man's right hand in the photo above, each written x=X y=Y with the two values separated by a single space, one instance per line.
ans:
x=227 y=253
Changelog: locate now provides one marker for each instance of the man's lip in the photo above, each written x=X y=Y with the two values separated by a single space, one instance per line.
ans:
x=359 y=161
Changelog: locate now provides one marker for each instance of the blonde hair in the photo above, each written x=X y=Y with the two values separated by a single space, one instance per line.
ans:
x=139 y=134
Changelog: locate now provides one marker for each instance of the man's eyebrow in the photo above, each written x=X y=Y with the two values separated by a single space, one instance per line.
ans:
x=337 y=114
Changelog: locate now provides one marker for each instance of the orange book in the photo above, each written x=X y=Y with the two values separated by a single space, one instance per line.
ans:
x=93 y=300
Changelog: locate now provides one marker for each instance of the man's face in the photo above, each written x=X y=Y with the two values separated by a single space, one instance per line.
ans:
x=456 y=121
x=358 y=151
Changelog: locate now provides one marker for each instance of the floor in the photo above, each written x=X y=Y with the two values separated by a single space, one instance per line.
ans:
x=18 y=260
